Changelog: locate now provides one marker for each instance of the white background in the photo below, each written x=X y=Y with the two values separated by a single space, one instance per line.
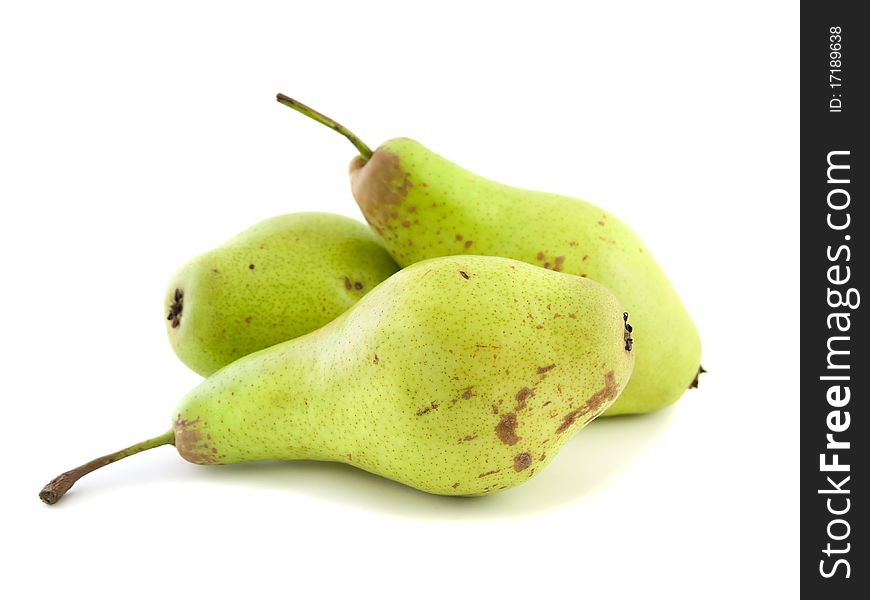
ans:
x=136 y=135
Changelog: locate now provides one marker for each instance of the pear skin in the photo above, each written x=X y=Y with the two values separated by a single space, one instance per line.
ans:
x=456 y=376
x=282 y=278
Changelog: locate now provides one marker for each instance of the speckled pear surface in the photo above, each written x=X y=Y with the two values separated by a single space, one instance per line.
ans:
x=282 y=278
x=459 y=375
x=423 y=206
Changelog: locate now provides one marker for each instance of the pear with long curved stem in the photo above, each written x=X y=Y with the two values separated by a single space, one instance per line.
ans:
x=457 y=376
x=423 y=206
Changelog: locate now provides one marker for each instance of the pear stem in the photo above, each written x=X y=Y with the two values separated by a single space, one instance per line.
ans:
x=364 y=150
x=60 y=485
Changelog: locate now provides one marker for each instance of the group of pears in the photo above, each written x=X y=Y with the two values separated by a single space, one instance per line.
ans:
x=454 y=345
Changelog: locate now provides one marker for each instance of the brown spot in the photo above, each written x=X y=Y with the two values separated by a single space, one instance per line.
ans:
x=495 y=409
x=464 y=274
x=379 y=185
x=548 y=402
x=542 y=370
x=432 y=406
x=542 y=456
x=468 y=438
x=248 y=319
x=506 y=429
x=466 y=393
x=347 y=283
x=455 y=485
x=560 y=260
x=522 y=461
x=190 y=443
x=488 y=473
x=572 y=315
x=601 y=223
x=585 y=256
x=546 y=265
x=541 y=255
x=349 y=456
x=521 y=397
x=467 y=244
x=376 y=360
x=411 y=208
x=458 y=238
x=572 y=243
x=595 y=404
x=358 y=285
x=251 y=267
x=694 y=383
x=406 y=223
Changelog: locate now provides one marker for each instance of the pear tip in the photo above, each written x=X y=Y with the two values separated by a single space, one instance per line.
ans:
x=694 y=384
x=56 y=488
x=48 y=497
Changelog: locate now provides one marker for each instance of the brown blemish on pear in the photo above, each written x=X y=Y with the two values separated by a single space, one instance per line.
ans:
x=190 y=443
x=506 y=429
x=521 y=398
x=522 y=461
x=379 y=186
x=595 y=404
x=426 y=409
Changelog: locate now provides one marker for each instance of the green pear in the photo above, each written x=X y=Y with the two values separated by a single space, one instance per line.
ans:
x=423 y=205
x=458 y=376
x=282 y=278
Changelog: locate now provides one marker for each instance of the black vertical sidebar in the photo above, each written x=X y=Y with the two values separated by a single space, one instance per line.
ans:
x=834 y=371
